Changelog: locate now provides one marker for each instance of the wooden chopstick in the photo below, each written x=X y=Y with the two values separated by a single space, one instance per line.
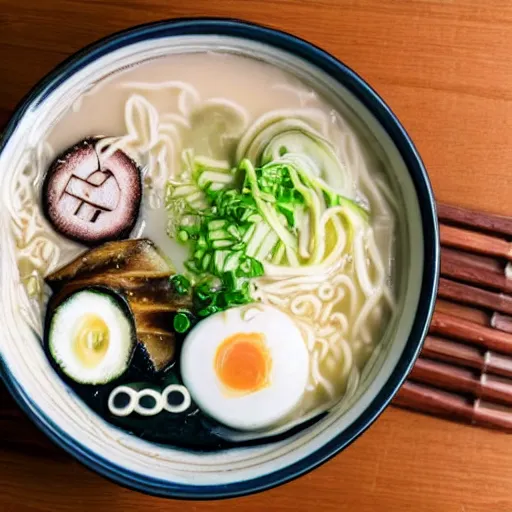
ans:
x=467 y=294
x=460 y=354
x=456 y=265
x=472 y=314
x=472 y=219
x=475 y=242
x=501 y=322
x=497 y=321
x=469 y=332
x=474 y=261
x=454 y=378
x=430 y=400
x=434 y=401
x=450 y=351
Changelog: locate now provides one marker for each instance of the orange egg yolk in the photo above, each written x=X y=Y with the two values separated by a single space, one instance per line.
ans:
x=243 y=362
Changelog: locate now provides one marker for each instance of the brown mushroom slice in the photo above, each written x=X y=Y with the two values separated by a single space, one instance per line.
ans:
x=140 y=255
x=150 y=316
x=90 y=198
x=95 y=260
x=160 y=347
x=155 y=289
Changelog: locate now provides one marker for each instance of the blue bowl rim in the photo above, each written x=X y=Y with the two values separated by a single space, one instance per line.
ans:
x=374 y=103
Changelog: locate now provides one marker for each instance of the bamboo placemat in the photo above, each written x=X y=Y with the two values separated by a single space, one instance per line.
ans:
x=464 y=371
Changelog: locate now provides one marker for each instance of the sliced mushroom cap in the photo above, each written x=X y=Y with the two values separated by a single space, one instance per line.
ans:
x=92 y=199
x=115 y=260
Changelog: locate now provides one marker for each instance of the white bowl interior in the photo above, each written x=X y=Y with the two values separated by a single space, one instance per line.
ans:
x=21 y=350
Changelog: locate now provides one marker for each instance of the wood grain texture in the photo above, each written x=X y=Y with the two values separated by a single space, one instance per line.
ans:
x=444 y=67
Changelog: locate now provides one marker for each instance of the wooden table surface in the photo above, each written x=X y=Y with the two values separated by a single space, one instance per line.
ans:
x=445 y=68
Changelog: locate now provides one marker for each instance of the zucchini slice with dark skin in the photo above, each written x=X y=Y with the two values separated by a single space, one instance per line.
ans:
x=90 y=336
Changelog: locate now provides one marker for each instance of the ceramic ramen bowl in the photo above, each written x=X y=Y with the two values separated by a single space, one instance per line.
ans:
x=343 y=303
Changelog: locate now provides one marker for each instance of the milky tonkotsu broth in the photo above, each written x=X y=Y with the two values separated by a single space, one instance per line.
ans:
x=256 y=86
x=206 y=101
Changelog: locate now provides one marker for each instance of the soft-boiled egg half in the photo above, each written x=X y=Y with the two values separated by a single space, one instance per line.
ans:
x=246 y=367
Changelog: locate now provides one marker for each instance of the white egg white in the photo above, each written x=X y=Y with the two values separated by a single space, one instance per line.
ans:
x=61 y=337
x=288 y=374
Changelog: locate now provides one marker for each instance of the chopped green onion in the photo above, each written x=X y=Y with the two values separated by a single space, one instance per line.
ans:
x=216 y=224
x=181 y=284
x=233 y=261
x=220 y=234
x=181 y=323
x=198 y=255
x=192 y=266
x=220 y=244
x=230 y=280
x=201 y=242
x=249 y=233
x=219 y=259
x=235 y=220
x=182 y=236
x=256 y=268
x=206 y=261
x=288 y=210
x=234 y=232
